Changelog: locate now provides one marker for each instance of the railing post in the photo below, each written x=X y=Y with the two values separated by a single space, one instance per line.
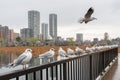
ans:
x=117 y=51
x=90 y=67
x=64 y=71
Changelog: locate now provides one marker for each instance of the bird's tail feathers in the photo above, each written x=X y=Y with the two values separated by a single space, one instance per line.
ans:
x=10 y=65
x=66 y=56
x=81 y=20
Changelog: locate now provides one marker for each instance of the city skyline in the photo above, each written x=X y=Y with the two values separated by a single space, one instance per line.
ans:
x=106 y=12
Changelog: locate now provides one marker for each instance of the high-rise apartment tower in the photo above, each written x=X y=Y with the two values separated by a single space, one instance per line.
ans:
x=34 y=22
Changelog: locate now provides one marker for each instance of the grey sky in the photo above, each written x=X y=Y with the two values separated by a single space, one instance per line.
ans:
x=14 y=14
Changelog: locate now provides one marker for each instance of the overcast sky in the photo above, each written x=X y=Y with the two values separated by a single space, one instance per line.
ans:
x=14 y=13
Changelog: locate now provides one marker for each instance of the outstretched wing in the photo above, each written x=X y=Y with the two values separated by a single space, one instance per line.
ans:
x=89 y=12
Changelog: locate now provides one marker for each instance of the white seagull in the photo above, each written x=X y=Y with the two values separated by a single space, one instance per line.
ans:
x=79 y=50
x=87 y=16
x=70 y=51
x=89 y=50
x=48 y=54
x=62 y=52
x=23 y=59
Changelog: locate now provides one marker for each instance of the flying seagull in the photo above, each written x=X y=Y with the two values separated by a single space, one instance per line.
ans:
x=87 y=16
x=48 y=54
x=23 y=59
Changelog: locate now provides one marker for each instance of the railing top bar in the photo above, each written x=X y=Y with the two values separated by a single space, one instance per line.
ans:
x=41 y=67
x=103 y=51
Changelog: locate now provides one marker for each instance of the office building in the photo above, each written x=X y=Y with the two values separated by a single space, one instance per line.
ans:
x=16 y=35
x=1 y=31
x=95 y=41
x=79 y=37
x=11 y=32
x=26 y=33
x=106 y=36
x=44 y=31
x=53 y=26
x=34 y=23
x=6 y=34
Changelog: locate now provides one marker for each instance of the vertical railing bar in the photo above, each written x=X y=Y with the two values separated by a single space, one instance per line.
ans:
x=94 y=66
x=41 y=75
x=65 y=71
x=88 y=63
x=56 y=72
x=68 y=71
x=46 y=73
x=26 y=77
x=34 y=75
x=17 y=78
x=73 y=70
x=82 y=68
x=97 y=64
x=86 y=68
x=85 y=74
x=90 y=67
x=60 y=72
x=52 y=73
x=103 y=61
x=78 y=69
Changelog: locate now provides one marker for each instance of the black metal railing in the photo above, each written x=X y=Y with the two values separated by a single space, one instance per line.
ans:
x=85 y=67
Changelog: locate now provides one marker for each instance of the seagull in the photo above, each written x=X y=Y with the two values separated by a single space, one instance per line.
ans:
x=23 y=59
x=89 y=50
x=62 y=52
x=79 y=50
x=48 y=54
x=87 y=16
x=70 y=51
